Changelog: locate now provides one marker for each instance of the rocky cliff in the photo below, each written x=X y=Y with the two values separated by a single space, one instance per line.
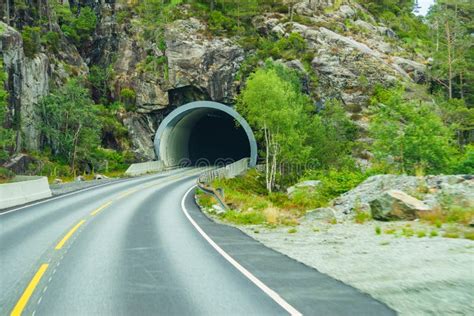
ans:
x=350 y=52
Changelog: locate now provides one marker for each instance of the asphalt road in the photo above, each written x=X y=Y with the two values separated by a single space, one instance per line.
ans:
x=142 y=247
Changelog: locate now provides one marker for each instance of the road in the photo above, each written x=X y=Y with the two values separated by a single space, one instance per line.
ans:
x=142 y=247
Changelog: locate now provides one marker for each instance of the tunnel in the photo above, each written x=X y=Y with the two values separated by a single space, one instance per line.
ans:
x=204 y=132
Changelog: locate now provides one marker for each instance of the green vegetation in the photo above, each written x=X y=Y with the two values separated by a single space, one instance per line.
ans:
x=6 y=134
x=378 y=230
x=31 y=40
x=69 y=123
x=77 y=24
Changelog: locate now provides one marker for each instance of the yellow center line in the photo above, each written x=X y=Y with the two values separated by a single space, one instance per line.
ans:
x=101 y=208
x=68 y=235
x=20 y=305
x=126 y=193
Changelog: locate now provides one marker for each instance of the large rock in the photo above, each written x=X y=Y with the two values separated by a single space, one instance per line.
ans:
x=194 y=59
x=141 y=129
x=396 y=205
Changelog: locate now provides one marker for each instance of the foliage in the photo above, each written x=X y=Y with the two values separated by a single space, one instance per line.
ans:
x=69 y=123
x=128 y=96
x=99 y=78
x=77 y=25
x=409 y=134
x=276 y=111
x=451 y=31
x=465 y=164
x=5 y=175
x=331 y=136
x=6 y=134
x=31 y=40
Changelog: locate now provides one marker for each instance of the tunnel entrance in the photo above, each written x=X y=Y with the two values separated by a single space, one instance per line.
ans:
x=204 y=132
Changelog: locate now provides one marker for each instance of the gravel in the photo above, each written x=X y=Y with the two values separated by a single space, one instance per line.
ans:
x=415 y=276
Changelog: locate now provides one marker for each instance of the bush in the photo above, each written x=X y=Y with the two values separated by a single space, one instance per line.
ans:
x=219 y=23
x=409 y=134
x=6 y=174
x=465 y=165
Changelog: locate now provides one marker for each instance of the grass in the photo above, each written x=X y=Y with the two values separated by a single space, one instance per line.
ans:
x=292 y=231
x=451 y=234
x=449 y=213
x=433 y=233
x=362 y=217
x=469 y=235
x=378 y=230
x=421 y=234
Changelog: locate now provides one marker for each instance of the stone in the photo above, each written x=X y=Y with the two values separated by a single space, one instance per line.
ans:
x=57 y=181
x=100 y=177
x=19 y=164
x=414 y=69
x=309 y=184
x=396 y=205
x=320 y=214
x=80 y=179
x=346 y=11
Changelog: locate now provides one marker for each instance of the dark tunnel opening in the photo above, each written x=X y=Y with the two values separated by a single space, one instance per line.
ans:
x=217 y=137
x=204 y=133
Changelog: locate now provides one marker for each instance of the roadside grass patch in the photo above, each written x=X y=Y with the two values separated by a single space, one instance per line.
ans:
x=292 y=231
x=469 y=235
x=361 y=217
x=407 y=232
x=378 y=230
x=421 y=234
x=244 y=218
x=433 y=233
x=390 y=231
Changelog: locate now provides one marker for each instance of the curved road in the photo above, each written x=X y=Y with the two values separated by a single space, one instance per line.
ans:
x=141 y=247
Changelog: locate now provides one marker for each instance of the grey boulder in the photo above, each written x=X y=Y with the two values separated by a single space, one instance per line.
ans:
x=396 y=205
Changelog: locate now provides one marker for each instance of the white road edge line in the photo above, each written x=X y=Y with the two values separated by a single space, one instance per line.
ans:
x=66 y=195
x=273 y=295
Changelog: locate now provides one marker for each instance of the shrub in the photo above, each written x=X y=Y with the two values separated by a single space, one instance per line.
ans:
x=5 y=174
x=378 y=230
x=219 y=23
x=292 y=231
x=31 y=40
x=408 y=134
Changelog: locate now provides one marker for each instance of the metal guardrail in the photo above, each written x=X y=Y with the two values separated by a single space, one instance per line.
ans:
x=230 y=171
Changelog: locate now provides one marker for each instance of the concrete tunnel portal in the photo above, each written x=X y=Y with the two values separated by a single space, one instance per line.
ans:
x=204 y=132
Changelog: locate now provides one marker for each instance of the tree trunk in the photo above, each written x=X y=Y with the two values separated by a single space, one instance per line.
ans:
x=7 y=9
x=450 y=60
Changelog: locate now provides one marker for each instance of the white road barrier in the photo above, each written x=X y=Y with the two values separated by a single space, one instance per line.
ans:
x=137 y=169
x=25 y=190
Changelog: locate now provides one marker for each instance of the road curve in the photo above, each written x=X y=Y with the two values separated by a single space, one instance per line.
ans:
x=129 y=248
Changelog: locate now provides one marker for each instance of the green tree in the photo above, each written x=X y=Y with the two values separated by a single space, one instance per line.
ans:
x=276 y=110
x=409 y=135
x=69 y=123
x=453 y=57
x=331 y=136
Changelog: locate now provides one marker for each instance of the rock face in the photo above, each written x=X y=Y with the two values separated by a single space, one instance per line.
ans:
x=351 y=56
x=195 y=60
x=28 y=83
x=396 y=205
